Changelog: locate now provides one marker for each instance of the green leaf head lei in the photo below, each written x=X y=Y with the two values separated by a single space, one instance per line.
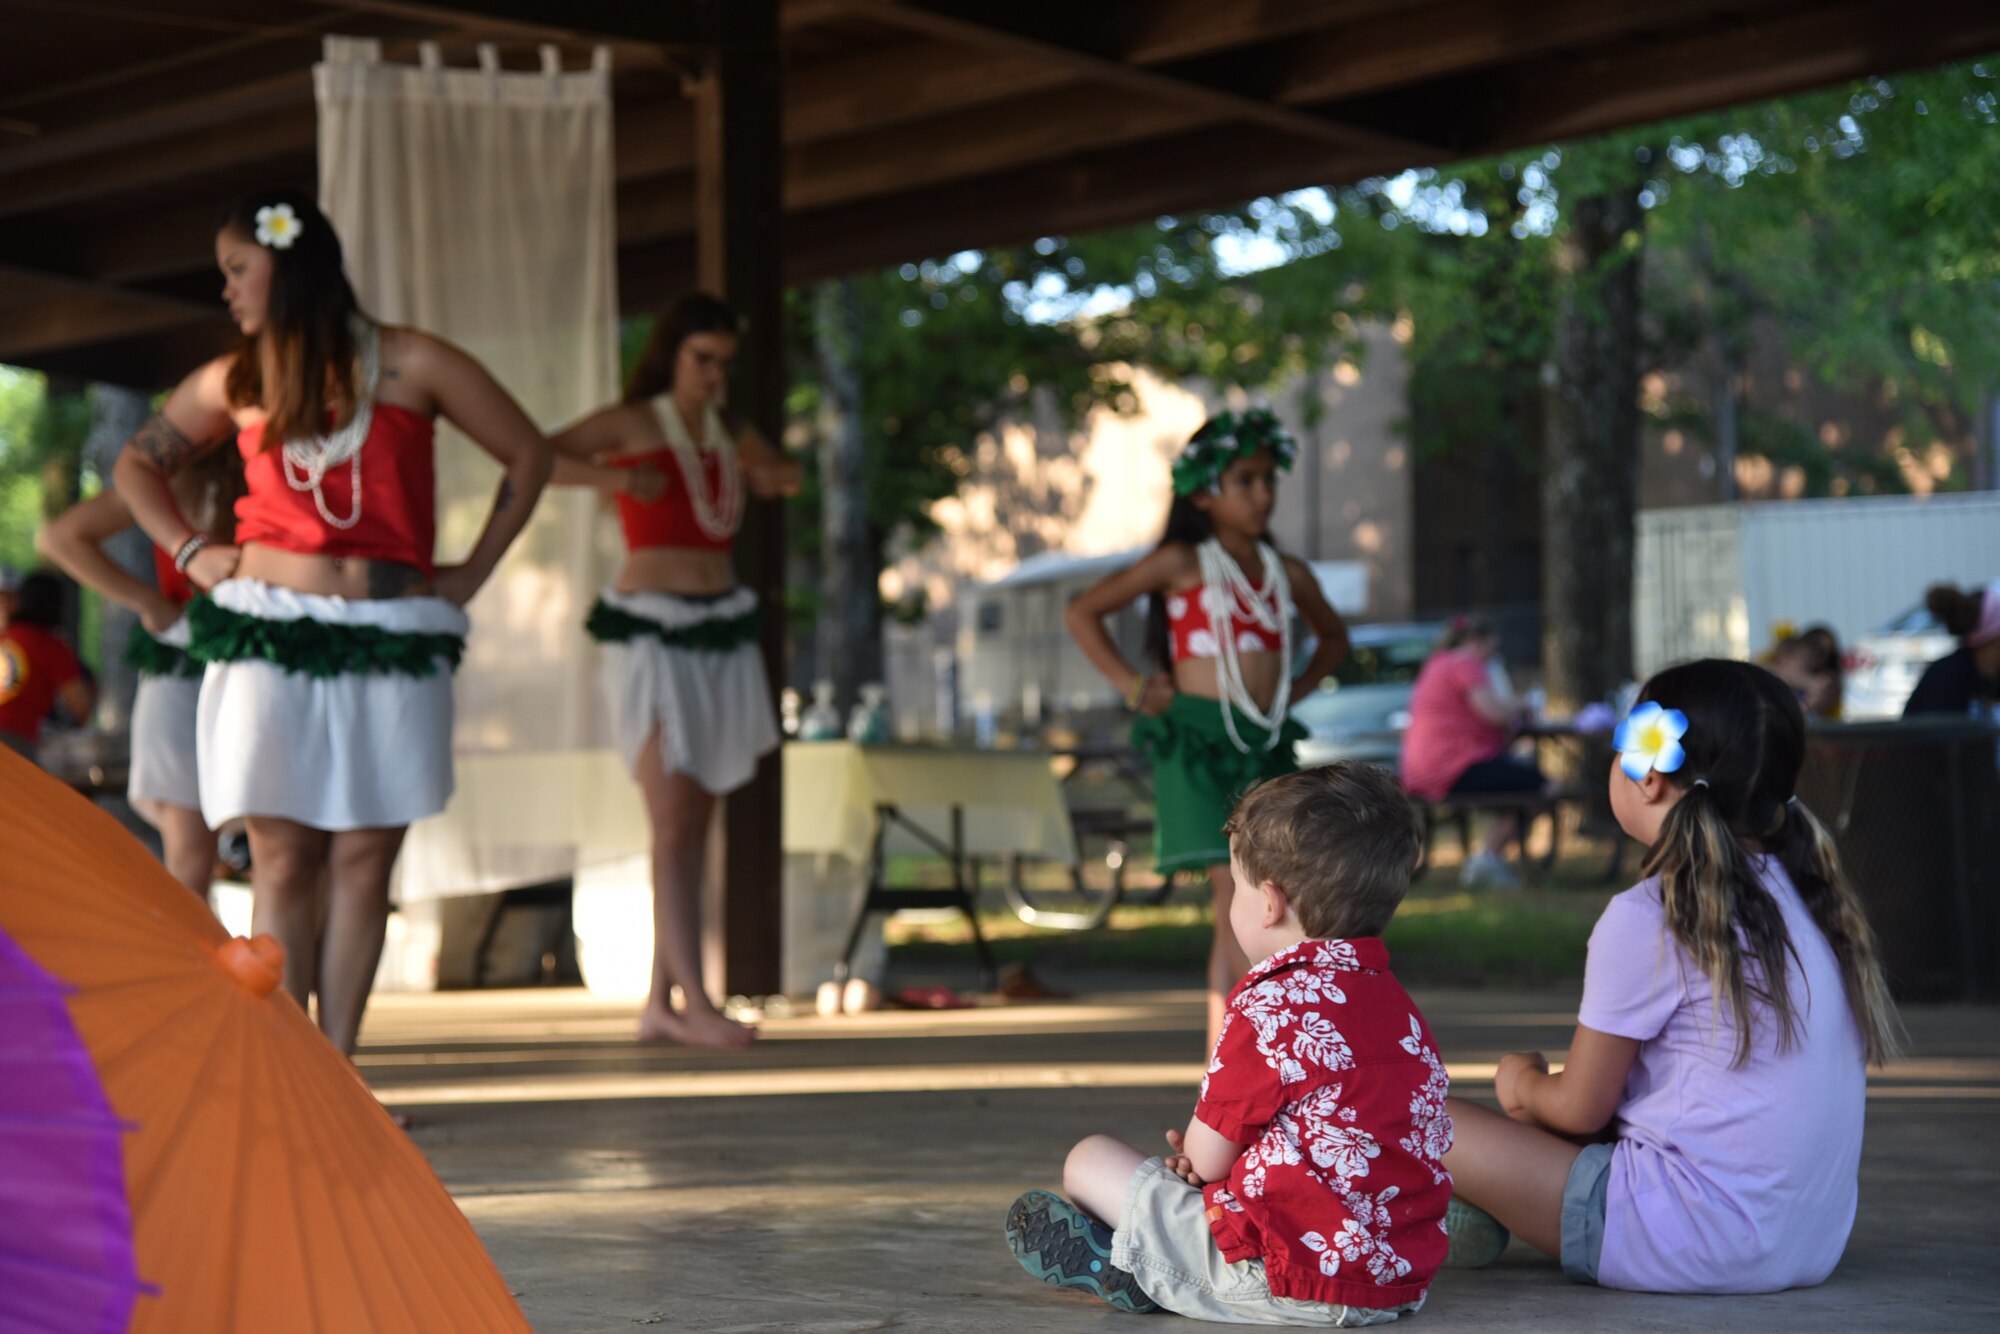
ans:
x=1225 y=438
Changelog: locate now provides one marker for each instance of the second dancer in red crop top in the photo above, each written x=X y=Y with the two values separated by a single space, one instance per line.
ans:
x=330 y=635
x=690 y=702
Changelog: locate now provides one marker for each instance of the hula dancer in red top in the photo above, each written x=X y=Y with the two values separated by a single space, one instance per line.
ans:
x=1309 y=1187
x=1220 y=638
x=690 y=703
x=328 y=633
x=163 y=785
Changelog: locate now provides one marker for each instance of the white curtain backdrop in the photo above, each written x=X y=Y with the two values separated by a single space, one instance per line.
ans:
x=476 y=204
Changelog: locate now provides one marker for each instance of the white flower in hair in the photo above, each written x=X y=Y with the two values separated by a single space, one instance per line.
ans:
x=1649 y=741
x=278 y=226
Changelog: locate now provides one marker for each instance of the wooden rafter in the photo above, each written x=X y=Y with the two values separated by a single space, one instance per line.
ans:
x=1220 y=101
x=1412 y=45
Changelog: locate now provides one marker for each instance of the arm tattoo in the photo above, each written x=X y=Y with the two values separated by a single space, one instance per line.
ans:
x=387 y=579
x=505 y=500
x=162 y=442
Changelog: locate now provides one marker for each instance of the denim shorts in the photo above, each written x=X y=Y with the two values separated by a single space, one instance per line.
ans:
x=1583 y=1213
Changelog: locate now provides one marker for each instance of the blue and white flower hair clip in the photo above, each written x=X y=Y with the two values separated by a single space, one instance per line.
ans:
x=1649 y=741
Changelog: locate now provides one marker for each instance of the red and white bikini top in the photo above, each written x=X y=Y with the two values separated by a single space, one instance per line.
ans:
x=1192 y=636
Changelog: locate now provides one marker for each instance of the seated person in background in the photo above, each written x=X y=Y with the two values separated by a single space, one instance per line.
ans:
x=37 y=669
x=1810 y=664
x=1456 y=746
x=1965 y=682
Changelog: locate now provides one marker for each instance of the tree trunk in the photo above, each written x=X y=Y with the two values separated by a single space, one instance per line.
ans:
x=849 y=637
x=1590 y=474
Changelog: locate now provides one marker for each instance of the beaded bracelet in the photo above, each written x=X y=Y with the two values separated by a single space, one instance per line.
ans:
x=188 y=551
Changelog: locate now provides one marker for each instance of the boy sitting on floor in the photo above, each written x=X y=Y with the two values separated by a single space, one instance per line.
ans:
x=1308 y=1187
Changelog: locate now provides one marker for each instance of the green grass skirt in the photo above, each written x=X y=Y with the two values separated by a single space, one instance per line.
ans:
x=1198 y=774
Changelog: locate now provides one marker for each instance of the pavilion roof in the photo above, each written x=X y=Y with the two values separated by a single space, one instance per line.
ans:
x=911 y=129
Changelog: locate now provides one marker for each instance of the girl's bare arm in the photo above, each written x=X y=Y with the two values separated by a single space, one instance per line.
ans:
x=75 y=543
x=1579 y=1100
x=1325 y=623
x=194 y=420
x=1084 y=618
x=766 y=469
x=470 y=399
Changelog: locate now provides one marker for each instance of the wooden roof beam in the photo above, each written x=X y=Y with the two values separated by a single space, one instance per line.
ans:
x=41 y=312
x=1432 y=41
x=673 y=23
x=1108 y=187
x=277 y=133
x=1166 y=30
x=998 y=33
x=1567 y=97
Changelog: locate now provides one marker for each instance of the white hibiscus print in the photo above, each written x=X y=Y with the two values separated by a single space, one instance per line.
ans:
x=1352 y=1242
x=1414 y=1044
x=1249 y=641
x=1337 y=954
x=1345 y=1150
x=1177 y=606
x=1385 y=1265
x=1201 y=644
x=1317 y=1040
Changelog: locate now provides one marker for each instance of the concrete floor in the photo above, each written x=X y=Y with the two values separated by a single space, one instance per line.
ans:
x=851 y=1174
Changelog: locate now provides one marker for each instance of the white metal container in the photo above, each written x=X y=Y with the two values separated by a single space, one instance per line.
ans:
x=1718 y=580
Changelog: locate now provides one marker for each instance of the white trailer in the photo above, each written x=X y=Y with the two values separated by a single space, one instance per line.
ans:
x=1717 y=580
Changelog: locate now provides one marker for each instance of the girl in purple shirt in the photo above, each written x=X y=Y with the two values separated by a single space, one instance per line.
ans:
x=1731 y=1003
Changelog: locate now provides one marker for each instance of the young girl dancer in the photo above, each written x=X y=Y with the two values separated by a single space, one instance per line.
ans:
x=690 y=703
x=1212 y=717
x=329 y=634
x=1730 y=1004
x=162 y=786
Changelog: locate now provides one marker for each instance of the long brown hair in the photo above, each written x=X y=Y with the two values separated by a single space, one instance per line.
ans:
x=1745 y=744
x=308 y=333
x=1958 y=611
x=695 y=313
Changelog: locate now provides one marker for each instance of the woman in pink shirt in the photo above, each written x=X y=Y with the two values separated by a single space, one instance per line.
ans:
x=1460 y=728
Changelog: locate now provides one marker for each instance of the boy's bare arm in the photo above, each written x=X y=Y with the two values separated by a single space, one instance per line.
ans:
x=1209 y=1157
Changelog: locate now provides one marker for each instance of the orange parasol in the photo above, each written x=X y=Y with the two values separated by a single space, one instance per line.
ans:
x=267 y=1189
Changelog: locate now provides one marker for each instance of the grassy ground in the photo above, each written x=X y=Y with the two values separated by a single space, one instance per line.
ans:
x=1443 y=935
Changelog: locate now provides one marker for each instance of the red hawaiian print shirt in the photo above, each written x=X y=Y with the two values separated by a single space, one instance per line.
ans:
x=1326 y=1070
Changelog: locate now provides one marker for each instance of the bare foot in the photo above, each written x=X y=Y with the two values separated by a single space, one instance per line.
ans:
x=702 y=1028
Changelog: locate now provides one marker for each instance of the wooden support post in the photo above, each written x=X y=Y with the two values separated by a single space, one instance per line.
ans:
x=739 y=211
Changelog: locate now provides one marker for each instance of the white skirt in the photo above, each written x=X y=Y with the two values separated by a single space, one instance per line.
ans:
x=343 y=752
x=163 y=733
x=712 y=707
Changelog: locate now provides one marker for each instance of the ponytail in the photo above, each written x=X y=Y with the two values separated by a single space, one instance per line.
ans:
x=1720 y=912
x=1810 y=858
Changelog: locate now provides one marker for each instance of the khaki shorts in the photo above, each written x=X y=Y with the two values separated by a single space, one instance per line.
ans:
x=1164 y=1242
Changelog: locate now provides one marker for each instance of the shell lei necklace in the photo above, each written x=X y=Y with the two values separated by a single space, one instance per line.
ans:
x=721 y=516
x=1226 y=593
x=308 y=461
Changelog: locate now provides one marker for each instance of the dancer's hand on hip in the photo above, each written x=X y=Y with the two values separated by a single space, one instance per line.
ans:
x=456 y=584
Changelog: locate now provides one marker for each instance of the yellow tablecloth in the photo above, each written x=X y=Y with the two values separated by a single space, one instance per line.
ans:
x=1011 y=799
